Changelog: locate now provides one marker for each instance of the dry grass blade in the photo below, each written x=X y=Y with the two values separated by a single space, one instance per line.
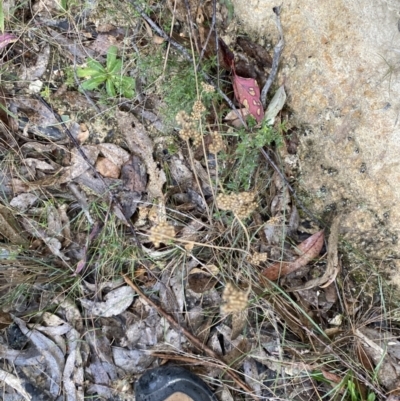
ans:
x=310 y=249
x=195 y=341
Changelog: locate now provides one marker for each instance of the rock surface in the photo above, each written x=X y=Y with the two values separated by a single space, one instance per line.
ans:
x=341 y=69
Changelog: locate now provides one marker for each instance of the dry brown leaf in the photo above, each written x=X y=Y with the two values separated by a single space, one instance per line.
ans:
x=54 y=224
x=375 y=345
x=51 y=353
x=363 y=357
x=114 y=153
x=107 y=168
x=310 y=249
x=200 y=280
x=332 y=266
x=116 y=302
x=38 y=164
x=331 y=376
x=78 y=164
x=5 y=320
x=232 y=117
x=23 y=202
x=239 y=321
x=140 y=144
x=10 y=229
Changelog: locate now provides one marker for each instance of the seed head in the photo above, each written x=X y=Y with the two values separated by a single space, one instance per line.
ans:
x=217 y=143
x=207 y=88
x=234 y=300
x=257 y=257
x=161 y=233
x=242 y=204
x=198 y=110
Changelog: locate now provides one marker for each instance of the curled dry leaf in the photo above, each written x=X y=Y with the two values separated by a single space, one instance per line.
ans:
x=332 y=266
x=116 y=302
x=200 y=280
x=73 y=376
x=275 y=106
x=141 y=145
x=310 y=249
x=51 y=353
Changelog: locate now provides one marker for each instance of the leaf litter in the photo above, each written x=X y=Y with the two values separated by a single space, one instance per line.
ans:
x=220 y=274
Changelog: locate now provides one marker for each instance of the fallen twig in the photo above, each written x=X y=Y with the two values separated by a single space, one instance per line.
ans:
x=193 y=339
x=275 y=61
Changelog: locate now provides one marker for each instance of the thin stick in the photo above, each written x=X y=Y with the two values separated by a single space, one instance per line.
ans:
x=189 y=359
x=192 y=338
x=275 y=61
x=170 y=34
x=187 y=56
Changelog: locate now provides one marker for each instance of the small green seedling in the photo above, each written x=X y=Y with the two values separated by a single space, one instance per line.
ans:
x=111 y=75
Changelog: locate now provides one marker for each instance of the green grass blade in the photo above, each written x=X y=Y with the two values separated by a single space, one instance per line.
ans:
x=1 y=16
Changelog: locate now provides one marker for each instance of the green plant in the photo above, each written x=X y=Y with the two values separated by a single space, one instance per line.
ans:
x=109 y=75
x=247 y=154
x=355 y=393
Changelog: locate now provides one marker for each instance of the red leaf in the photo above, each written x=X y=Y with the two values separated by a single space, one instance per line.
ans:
x=247 y=93
x=310 y=249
